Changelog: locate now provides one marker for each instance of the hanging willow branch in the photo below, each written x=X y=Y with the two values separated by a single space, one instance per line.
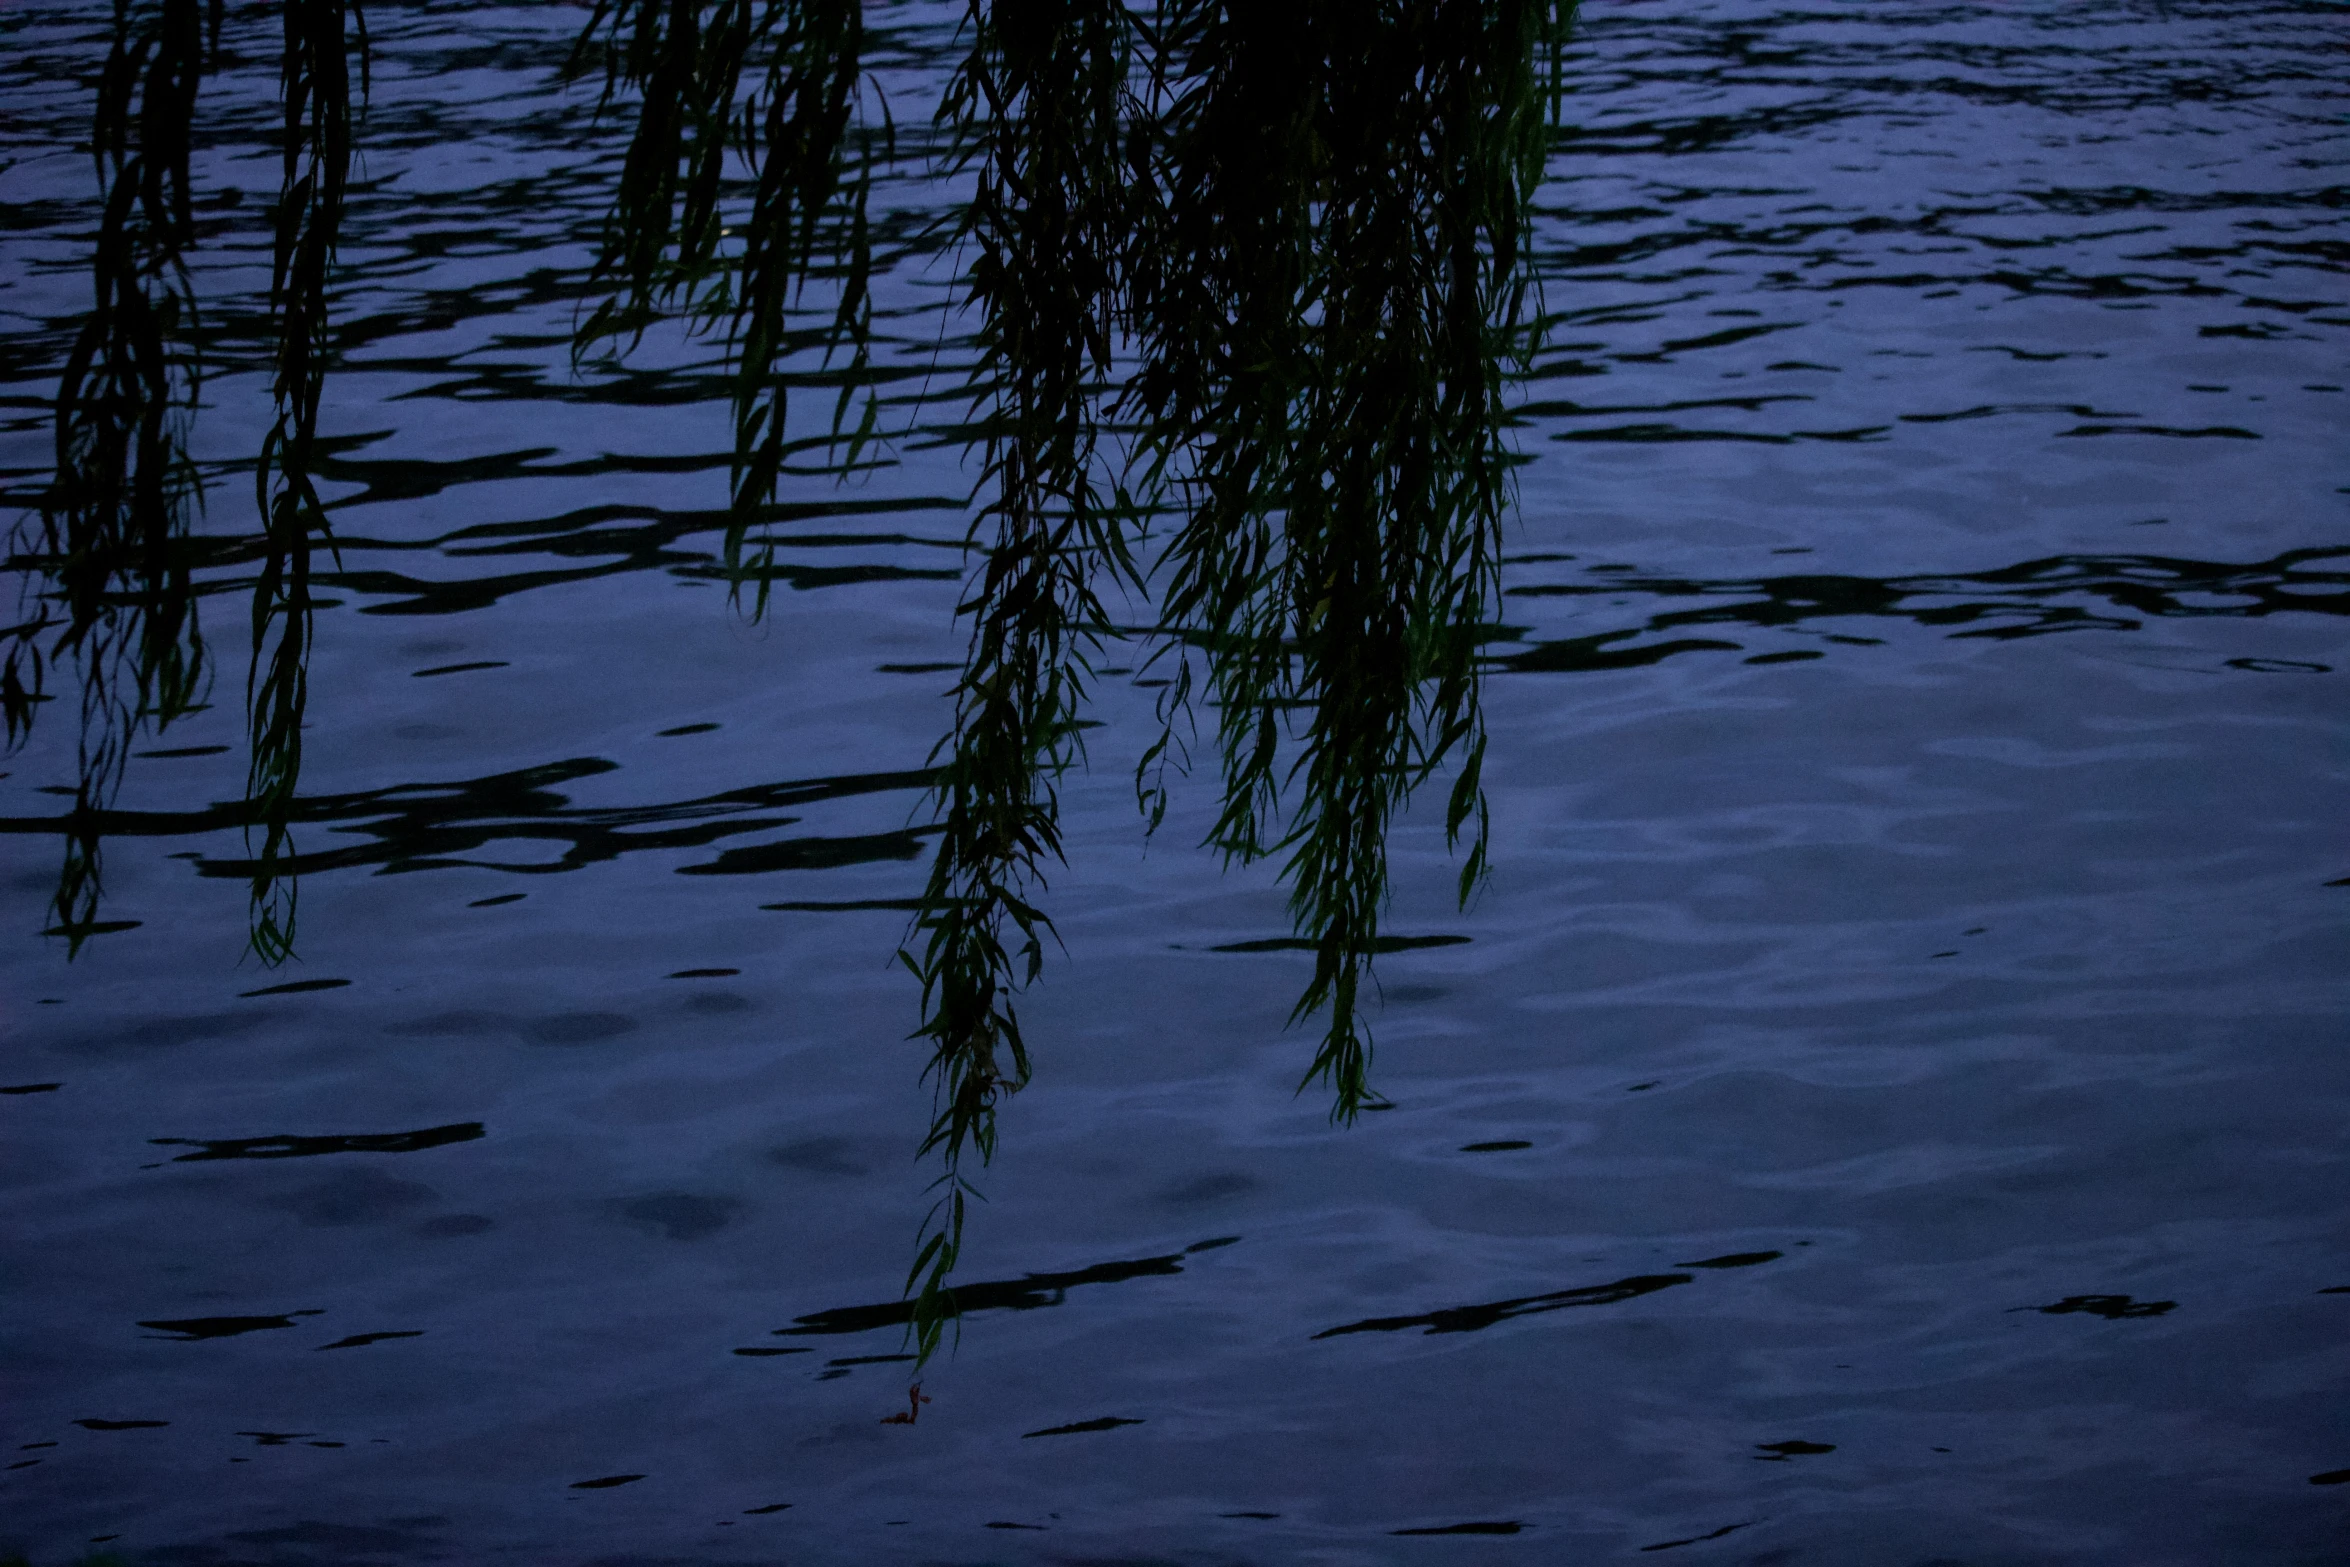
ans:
x=1309 y=220
x=811 y=157
x=322 y=37
x=110 y=554
x=113 y=554
x=1041 y=109
x=1327 y=327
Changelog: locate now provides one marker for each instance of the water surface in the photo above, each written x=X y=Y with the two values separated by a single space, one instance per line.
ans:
x=1887 y=1108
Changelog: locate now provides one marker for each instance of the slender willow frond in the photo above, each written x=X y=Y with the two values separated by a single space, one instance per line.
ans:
x=811 y=155
x=1041 y=109
x=1327 y=325
x=322 y=40
x=111 y=553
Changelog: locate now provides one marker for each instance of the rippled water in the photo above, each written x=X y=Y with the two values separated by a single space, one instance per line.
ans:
x=1888 y=1108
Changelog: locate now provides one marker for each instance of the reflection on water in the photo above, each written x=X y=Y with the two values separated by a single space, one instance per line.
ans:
x=2035 y=598
x=308 y=1147
x=1026 y=1293
x=427 y=826
x=190 y=1329
x=1468 y=1319
x=1949 y=1009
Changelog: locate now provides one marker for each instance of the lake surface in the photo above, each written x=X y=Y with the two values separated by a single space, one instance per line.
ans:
x=1889 y=1107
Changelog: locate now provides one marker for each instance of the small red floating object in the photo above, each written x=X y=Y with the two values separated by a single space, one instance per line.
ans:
x=915 y=1399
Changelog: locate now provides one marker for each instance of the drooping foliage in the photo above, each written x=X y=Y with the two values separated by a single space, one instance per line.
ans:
x=109 y=547
x=800 y=127
x=1279 y=249
x=1044 y=108
x=109 y=557
x=324 y=39
x=1326 y=324
x=1247 y=285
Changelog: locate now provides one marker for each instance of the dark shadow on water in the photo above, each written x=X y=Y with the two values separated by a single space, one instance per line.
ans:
x=297 y=987
x=430 y=826
x=1510 y=1526
x=814 y=854
x=289 y=1146
x=361 y=1340
x=1029 y=1292
x=2035 y=598
x=188 y=1330
x=2113 y=1308
x=1105 y=1423
x=1471 y=1319
x=1379 y=944
x=1700 y=1539
x=1782 y=1452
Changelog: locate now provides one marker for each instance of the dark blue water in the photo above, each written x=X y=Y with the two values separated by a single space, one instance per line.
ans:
x=1888 y=1108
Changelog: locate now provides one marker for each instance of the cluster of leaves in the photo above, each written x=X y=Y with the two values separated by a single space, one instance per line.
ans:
x=1261 y=269
x=109 y=556
x=777 y=86
x=1280 y=250
x=1327 y=327
x=110 y=546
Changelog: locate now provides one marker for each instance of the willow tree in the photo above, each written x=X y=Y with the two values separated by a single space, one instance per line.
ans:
x=1252 y=275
